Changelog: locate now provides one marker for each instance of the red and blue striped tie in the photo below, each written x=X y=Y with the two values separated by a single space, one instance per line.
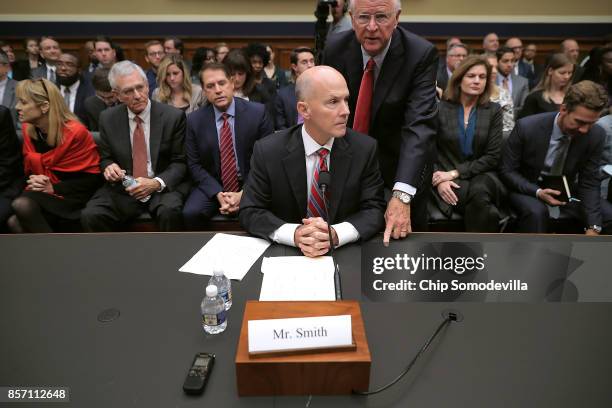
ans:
x=316 y=205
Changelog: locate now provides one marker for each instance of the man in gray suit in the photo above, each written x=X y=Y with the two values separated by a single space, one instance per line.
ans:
x=50 y=50
x=7 y=86
x=145 y=139
x=507 y=79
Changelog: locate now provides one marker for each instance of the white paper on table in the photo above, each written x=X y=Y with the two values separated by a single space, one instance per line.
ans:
x=293 y=278
x=235 y=254
x=297 y=263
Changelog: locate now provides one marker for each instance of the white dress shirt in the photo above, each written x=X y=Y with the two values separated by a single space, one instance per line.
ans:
x=73 y=90
x=145 y=115
x=346 y=232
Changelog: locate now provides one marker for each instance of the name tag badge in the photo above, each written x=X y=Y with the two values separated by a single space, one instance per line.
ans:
x=305 y=333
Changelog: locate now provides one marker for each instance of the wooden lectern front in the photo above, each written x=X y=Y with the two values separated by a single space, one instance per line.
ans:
x=304 y=373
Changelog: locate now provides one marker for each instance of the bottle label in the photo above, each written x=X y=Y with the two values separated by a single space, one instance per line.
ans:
x=226 y=296
x=214 y=319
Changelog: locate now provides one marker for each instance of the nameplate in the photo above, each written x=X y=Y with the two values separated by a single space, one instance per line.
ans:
x=305 y=333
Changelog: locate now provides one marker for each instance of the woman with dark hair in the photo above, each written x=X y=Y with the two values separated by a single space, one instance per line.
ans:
x=599 y=68
x=548 y=95
x=60 y=159
x=245 y=85
x=273 y=72
x=259 y=57
x=201 y=56
x=469 y=143
x=174 y=85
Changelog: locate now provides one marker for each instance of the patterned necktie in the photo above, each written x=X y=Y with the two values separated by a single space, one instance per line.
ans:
x=361 y=122
x=139 y=150
x=229 y=172
x=505 y=84
x=316 y=205
x=67 y=97
x=52 y=75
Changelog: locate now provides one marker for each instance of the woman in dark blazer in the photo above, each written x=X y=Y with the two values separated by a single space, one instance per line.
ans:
x=468 y=148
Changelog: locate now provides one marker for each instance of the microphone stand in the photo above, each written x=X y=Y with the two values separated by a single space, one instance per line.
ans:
x=337 y=282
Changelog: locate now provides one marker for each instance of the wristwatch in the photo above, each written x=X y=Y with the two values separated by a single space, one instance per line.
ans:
x=596 y=228
x=403 y=197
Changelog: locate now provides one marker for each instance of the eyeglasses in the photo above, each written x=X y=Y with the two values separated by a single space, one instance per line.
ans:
x=379 y=18
x=156 y=54
x=65 y=64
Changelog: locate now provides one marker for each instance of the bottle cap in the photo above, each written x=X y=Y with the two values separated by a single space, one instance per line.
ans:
x=211 y=291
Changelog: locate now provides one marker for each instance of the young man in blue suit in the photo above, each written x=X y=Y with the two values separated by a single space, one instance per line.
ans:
x=219 y=144
x=565 y=143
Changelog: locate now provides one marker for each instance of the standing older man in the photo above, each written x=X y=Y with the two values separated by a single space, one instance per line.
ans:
x=142 y=138
x=282 y=200
x=391 y=76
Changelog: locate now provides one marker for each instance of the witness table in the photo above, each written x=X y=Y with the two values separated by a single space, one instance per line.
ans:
x=53 y=287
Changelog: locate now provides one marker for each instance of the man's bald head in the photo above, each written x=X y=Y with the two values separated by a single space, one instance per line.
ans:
x=322 y=96
x=313 y=79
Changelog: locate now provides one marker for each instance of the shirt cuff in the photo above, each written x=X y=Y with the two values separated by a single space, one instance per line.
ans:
x=536 y=194
x=346 y=232
x=406 y=188
x=285 y=234
x=161 y=182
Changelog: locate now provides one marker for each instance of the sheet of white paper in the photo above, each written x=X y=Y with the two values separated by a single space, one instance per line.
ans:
x=297 y=263
x=292 y=278
x=235 y=254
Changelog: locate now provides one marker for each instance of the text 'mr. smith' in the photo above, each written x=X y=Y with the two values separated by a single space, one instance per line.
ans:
x=300 y=333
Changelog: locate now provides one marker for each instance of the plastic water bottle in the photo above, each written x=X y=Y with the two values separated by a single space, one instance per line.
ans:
x=224 y=286
x=214 y=318
x=129 y=181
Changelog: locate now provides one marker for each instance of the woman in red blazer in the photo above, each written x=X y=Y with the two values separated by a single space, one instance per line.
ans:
x=61 y=161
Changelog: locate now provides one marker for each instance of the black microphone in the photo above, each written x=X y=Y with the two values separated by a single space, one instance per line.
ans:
x=324 y=183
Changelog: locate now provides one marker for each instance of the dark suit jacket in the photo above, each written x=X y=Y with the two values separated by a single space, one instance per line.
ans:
x=525 y=151
x=286 y=107
x=40 y=72
x=167 y=135
x=276 y=190
x=11 y=159
x=202 y=142
x=486 y=146
x=525 y=71
x=10 y=100
x=84 y=91
x=93 y=107
x=442 y=77
x=404 y=108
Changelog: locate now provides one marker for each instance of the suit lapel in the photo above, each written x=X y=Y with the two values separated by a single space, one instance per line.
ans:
x=211 y=138
x=240 y=120
x=482 y=121
x=354 y=70
x=340 y=164
x=388 y=73
x=155 y=133
x=122 y=135
x=544 y=141
x=9 y=94
x=294 y=164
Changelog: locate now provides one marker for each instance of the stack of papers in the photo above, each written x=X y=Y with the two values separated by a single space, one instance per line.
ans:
x=234 y=254
x=293 y=278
